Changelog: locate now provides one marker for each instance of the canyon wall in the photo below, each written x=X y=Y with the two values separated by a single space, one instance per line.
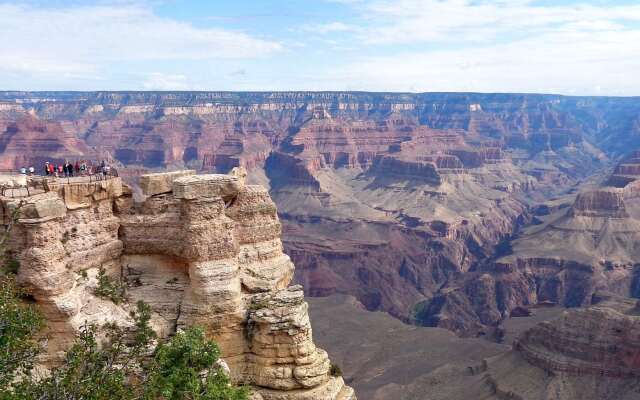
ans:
x=401 y=200
x=577 y=245
x=200 y=250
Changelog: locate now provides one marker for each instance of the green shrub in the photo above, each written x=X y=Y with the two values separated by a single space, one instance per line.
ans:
x=335 y=370
x=179 y=366
x=19 y=324
x=11 y=264
x=109 y=288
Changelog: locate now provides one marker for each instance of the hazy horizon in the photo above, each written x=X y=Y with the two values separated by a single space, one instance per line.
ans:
x=248 y=91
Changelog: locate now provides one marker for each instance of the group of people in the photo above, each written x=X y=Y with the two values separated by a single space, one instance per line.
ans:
x=25 y=171
x=67 y=169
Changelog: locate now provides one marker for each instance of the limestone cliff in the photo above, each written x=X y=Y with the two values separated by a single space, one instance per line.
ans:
x=201 y=249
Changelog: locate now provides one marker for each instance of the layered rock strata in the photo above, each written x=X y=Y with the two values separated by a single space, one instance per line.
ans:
x=384 y=196
x=201 y=250
x=577 y=246
x=598 y=341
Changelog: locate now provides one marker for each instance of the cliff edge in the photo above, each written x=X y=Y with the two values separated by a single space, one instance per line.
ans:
x=200 y=250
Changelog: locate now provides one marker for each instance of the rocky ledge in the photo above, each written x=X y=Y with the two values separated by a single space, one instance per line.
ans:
x=603 y=202
x=201 y=249
x=602 y=340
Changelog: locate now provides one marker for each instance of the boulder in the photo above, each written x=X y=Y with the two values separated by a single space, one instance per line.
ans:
x=46 y=205
x=152 y=184
x=211 y=185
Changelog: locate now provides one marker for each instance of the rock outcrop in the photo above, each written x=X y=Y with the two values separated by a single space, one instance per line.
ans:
x=597 y=341
x=201 y=249
x=600 y=203
x=627 y=171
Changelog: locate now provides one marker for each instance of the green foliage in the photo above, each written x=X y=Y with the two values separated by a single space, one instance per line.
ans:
x=19 y=323
x=335 y=370
x=122 y=366
x=10 y=264
x=186 y=368
x=87 y=373
x=93 y=370
x=109 y=288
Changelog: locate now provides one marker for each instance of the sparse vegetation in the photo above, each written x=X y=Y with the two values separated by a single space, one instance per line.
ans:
x=109 y=288
x=8 y=262
x=335 y=370
x=257 y=304
x=126 y=365
x=11 y=264
x=19 y=324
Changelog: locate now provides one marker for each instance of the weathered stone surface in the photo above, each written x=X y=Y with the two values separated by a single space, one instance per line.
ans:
x=46 y=206
x=212 y=185
x=78 y=193
x=152 y=184
x=208 y=253
x=600 y=203
x=600 y=341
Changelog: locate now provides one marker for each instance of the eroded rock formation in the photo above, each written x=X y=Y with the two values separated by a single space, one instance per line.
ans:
x=578 y=245
x=599 y=341
x=397 y=199
x=201 y=249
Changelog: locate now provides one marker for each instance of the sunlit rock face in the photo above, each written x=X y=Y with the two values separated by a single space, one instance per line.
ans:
x=388 y=197
x=200 y=250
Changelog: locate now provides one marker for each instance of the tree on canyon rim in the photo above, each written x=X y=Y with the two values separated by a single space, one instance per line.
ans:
x=127 y=364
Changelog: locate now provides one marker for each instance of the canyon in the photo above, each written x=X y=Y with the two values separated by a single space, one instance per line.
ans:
x=553 y=354
x=462 y=211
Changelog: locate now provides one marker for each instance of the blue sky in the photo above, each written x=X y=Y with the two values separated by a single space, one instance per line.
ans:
x=589 y=47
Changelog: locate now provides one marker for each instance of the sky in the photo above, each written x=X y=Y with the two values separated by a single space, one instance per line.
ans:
x=572 y=47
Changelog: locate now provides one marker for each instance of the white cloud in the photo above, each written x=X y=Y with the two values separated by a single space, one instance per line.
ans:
x=416 y=21
x=331 y=27
x=493 y=46
x=83 y=40
x=161 y=81
x=580 y=64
